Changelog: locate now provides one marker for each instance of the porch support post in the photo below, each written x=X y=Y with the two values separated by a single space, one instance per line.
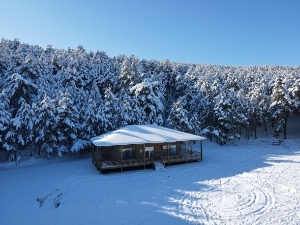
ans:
x=201 y=149
x=101 y=156
x=168 y=154
x=96 y=152
x=93 y=153
x=144 y=157
x=121 y=160
x=186 y=152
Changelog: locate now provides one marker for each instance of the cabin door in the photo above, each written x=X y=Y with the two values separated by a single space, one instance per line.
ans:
x=149 y=152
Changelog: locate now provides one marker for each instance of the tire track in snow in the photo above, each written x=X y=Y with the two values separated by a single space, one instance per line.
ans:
x=258 y=199
x=236 y=198
x=250 y=200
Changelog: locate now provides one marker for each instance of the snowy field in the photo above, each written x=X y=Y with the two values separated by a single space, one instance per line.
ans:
x=251 y=182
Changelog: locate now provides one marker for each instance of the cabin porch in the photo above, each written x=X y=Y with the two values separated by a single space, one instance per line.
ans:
x=120 y=157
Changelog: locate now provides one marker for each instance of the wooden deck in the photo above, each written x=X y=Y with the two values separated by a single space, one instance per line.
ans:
x=184 y=156
x=125 y=163
x=119 y=164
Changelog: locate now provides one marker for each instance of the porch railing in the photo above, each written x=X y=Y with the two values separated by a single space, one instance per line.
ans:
x=112 y=164
x=183 y=156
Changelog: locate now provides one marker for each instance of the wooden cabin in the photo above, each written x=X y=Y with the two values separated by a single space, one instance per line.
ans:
x=144 y=145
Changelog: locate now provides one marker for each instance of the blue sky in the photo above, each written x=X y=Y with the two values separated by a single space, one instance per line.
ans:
x=223 y=32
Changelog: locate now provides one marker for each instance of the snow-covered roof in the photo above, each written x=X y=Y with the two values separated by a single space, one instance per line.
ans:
x=142 y=134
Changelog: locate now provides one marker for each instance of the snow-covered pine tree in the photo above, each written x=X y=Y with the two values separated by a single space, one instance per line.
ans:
x=67 y=123
x=2 y=72
x=206 y=113
x=294 y=93
x=255 y=108
x=23 y=124
x=227 y=115
x=45 y=124
x=130 y=111
x=194 y=100
x=179 y=117
x=167 y=72
x=98 y=117
x=111 y=112
x=130 y=74
x=240 y=112
x=5 y=116
x=91 y=115
x=104 y=71
x=150 y=100
x=18 y=87
x=280 y=108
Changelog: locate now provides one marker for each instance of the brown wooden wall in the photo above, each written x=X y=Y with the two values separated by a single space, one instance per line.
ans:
x=139 y=150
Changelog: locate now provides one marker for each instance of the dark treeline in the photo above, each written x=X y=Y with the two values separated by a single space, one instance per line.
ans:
x=56 y=100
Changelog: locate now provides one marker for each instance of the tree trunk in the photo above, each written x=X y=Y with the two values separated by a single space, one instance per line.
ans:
x=248 y=133
x=255 y=134
x=284 y=128
x=31 y=149
x=265 y=125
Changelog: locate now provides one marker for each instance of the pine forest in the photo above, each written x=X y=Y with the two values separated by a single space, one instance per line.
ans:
x=52 y=101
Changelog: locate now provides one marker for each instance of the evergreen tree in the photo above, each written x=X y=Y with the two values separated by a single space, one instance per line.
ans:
x=23 y=124
x=5 y=116
x=280 y=108
x=111 y=112
x=130 y=74
x=19 y=88
x=130 y=110
x=229 y=114
x=46 y=124
x=150 y=100
x=256 y=108
x=206 y=115
x=294 y=93
x=67 y=123
x=179 y=118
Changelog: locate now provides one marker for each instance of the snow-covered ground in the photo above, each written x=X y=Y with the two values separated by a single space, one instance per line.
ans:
x=251 y=182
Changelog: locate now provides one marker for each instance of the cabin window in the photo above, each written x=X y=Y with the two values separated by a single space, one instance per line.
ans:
x=165 y=149
x=128 y=153
x=108 y=153
x=172 y=149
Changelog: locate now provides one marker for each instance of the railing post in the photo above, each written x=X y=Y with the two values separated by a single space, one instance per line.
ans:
x=97 y=162
x=93 y=154
x=144 y=157
x=201 y=150
x=100 y=158
x=168 y=154
x=121 y=160
x=186 y=152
